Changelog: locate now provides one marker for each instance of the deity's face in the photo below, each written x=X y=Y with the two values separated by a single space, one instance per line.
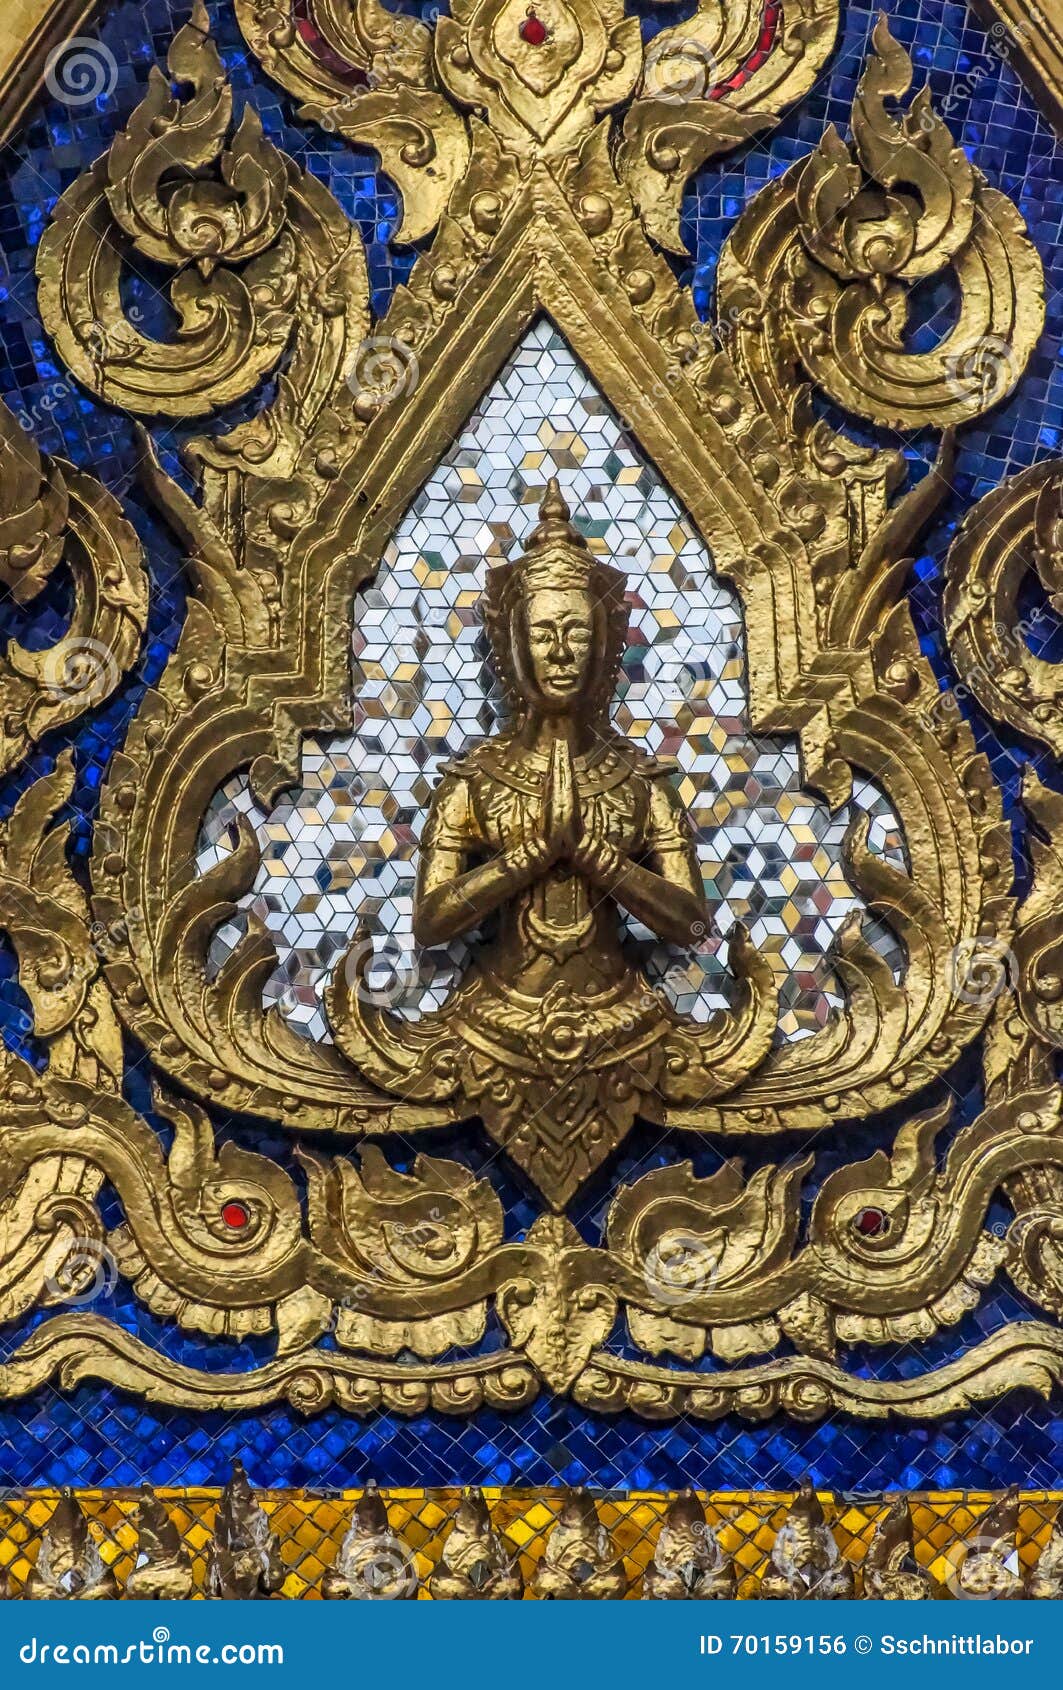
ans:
x=560 y=642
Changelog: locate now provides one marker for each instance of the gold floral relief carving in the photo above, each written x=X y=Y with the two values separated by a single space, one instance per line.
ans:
x=542 y=167
x=51 y=514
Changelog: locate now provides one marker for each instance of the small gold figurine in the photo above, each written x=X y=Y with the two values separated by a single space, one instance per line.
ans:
x=545 y=832
x=70 y=1567
x=374 y=1564
x=991 y=1565
x=579 y=1562
x=244 y=1563
x=805 y=1564
x=688 y=1563
x=891 y=1572
x=162 y=1571
x=1045 y=1581
x=478 y=1564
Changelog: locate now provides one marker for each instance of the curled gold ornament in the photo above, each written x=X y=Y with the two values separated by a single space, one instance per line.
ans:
x=1012 y=535
x=707 y=85
x=225 y=234
x=53 y=1239
x=1038 y=944
x=368 y=74
x=830 y=251
x=408 y=1233
x=540 y=96
x=50 y=511
x=290 y=516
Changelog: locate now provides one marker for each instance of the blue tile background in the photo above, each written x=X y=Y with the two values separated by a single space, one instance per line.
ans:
x=98 y=1436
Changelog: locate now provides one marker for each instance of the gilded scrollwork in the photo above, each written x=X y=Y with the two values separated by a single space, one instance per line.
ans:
x=708 y=84
x=1012 y=536
x=829 y=253
x=226 y=214
x=403 y=1234
x=52 y=1233
x=550 y=167
x=369 y=74
x=51 y=512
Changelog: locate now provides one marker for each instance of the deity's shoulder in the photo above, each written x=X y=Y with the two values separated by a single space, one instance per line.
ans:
x=452 y=821
x=472 y=761
x=498 y=760
x=622 y=759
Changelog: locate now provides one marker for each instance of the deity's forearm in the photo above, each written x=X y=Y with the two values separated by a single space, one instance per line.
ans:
x=443 y=912
x=675 y=913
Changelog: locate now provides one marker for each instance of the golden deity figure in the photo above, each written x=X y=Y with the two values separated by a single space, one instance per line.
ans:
x=536 y=839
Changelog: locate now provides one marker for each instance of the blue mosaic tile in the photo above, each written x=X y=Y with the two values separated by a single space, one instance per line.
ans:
x=99 y=1436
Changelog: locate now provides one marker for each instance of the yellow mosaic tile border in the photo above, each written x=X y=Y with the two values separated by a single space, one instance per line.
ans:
x=310 y=1527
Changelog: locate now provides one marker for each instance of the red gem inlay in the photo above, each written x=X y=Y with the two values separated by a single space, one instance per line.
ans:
x=533 y=30
x=872 y=1223
x=235 y=1215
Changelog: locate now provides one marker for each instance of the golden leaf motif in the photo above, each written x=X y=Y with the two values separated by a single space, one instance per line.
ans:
x=49 y=512
x=829 y=251
x=702 y=93
x=234 y=300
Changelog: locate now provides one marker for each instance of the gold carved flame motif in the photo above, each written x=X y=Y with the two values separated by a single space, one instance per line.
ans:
x=541 y=154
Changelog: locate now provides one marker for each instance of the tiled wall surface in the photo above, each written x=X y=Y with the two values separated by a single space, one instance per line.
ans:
x=98 y=1437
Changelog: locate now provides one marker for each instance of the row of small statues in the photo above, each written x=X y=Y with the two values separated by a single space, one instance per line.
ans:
x=579 y=1559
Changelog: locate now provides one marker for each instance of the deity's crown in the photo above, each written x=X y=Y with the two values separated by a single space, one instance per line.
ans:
x=556 y=557
x=555 y=553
